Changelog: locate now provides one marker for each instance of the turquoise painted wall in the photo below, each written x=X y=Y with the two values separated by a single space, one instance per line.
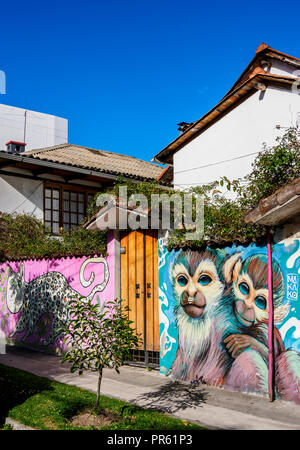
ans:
x=287 y=256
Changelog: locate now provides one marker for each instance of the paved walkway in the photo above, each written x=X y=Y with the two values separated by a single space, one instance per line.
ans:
x=208 y=406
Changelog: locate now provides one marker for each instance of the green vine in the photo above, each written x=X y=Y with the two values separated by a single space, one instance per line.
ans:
x=24 y=237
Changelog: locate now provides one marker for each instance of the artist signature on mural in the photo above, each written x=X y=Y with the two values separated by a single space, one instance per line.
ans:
x=292 y=286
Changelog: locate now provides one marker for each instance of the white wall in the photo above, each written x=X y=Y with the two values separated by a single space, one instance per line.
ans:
x=42 y=130
x=21 y=195
x=236 y=135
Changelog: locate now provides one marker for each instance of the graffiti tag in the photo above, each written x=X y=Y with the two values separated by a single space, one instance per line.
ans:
x=292 y=286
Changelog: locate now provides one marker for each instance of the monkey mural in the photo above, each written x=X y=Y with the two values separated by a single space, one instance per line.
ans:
x=287 y=375
x=221 y=306
x=197 y=288
x=242 y=317
x=248 y=298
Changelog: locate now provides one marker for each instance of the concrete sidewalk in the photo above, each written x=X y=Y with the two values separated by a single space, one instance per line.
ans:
x=208 y=406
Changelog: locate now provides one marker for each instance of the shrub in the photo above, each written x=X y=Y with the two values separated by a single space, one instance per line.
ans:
x=23 y=236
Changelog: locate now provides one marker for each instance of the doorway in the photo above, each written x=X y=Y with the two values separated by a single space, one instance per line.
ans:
x=139 y=290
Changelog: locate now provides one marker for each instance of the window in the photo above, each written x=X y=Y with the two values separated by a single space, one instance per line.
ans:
x=65 y=206
x=51 y=214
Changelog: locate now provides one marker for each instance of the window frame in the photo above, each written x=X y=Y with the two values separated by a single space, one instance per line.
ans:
x=61 y=188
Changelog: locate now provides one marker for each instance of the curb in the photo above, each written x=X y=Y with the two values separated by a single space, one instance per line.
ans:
x=16 y=425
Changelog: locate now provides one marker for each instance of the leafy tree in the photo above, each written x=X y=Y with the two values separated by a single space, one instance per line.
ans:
x=98 y=337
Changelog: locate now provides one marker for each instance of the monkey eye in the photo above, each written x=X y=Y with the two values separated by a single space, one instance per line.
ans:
x=244 y=288
x=204 y=279
x=260 y=302
x=182 y=280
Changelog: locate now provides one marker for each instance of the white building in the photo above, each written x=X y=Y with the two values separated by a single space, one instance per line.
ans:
x=225 y=141
x=36 y=129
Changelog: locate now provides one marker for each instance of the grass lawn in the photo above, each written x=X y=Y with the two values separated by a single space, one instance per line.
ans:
x=48 y=405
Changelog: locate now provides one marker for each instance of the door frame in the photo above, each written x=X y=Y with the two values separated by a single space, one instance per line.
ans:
x=145 y=355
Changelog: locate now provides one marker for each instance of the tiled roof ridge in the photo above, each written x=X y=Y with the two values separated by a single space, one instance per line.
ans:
x=265 y=47
x=66 y=145
x=256 y=61
x=163 y=173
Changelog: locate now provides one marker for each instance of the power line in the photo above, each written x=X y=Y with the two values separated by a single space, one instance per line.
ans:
x=202 y=183
x=216 y=163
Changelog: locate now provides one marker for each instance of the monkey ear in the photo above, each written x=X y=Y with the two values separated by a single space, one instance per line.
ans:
x=231 y=267
x=281 y=312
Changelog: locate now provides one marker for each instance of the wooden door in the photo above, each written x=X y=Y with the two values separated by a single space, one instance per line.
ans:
x=139 y=285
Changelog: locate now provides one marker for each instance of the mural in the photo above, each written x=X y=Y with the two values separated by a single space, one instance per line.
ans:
x=214 y=317
x=34 y=296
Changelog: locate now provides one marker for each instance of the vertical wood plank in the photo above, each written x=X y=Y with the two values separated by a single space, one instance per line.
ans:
x=140 y=279
x=149 y=291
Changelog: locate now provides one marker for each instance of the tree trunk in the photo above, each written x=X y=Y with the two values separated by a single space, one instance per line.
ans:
x=99 y=387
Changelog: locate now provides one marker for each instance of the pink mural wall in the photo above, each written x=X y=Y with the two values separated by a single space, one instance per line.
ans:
x=34 y=295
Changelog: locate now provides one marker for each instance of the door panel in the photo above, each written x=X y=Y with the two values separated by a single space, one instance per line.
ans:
x=132 y=278
x=139 y=284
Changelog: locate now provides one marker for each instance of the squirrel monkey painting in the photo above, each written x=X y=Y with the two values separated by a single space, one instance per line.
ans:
x=221 y=309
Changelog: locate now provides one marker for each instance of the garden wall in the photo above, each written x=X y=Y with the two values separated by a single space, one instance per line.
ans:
x=214 y=317
x=34 y=295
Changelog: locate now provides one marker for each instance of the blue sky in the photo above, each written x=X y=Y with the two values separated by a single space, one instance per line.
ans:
x=126 y=72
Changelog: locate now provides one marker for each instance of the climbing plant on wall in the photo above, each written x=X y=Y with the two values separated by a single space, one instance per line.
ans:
x=23 y=236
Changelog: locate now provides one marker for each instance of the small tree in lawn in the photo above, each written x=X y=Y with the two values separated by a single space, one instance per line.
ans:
x=98 y=337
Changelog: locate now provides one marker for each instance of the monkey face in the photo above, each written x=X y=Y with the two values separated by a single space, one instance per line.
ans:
x=196 y=290
x=251 y=304
x=250 y=293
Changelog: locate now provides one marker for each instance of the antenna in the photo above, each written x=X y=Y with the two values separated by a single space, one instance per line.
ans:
x=25 y=118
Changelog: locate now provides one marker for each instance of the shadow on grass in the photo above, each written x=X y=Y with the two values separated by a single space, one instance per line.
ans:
x=17 y=386
x=172 y=397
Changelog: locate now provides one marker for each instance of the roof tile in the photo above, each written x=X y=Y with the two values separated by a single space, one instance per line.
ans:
x=101 y=160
